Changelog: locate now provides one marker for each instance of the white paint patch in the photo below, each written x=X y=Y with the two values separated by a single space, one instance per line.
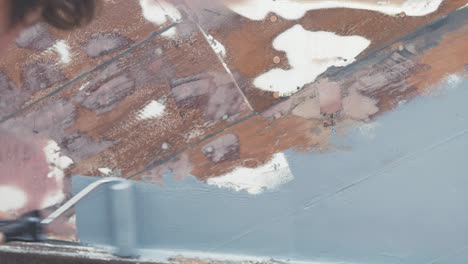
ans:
x=269 y=176
x=216 y=46
x=193 y=133
x=152 y=110
x=159 y=11
x=57 y=164
x=11 y=198
x=105 y=171
x=310 y=54
x=171 y=33
x=295 y=9
x=84 y=85
x=63 y=50
x=465 y=6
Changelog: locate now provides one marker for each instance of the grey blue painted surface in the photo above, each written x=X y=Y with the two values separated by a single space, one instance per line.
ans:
x=397 y=194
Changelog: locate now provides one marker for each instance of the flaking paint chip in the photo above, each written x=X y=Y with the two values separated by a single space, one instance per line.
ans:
x=165 y=146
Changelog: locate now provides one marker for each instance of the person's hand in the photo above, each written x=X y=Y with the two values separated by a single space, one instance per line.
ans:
x=2 y=239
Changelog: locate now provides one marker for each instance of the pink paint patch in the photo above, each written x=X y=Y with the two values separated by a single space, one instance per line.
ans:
x=23 y=166
x=180 y=167
x=309 y=109
x=358 y=106
x=330 y=97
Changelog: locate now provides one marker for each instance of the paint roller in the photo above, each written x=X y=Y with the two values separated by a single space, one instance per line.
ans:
x=30 y=227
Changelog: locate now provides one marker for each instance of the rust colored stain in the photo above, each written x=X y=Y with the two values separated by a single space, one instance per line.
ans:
x=251 y=54
x=263 y=138
x=306 y=120
x=206 y=127
x=35 y=46
x=450 y=56
x=192 y=86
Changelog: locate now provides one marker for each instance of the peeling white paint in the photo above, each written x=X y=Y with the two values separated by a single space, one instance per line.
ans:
x=216 y=46
x=159 y=11
x=170 y=33
x=57 y=164
x=193 y=133
x=268 y=176
x=63 y=50
x=209 y=39
x=11 y=198
x=295 y=9
x=310 y=54
x=465 y=6
x=152 y=110
x=105 y=171
x=83 y=86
